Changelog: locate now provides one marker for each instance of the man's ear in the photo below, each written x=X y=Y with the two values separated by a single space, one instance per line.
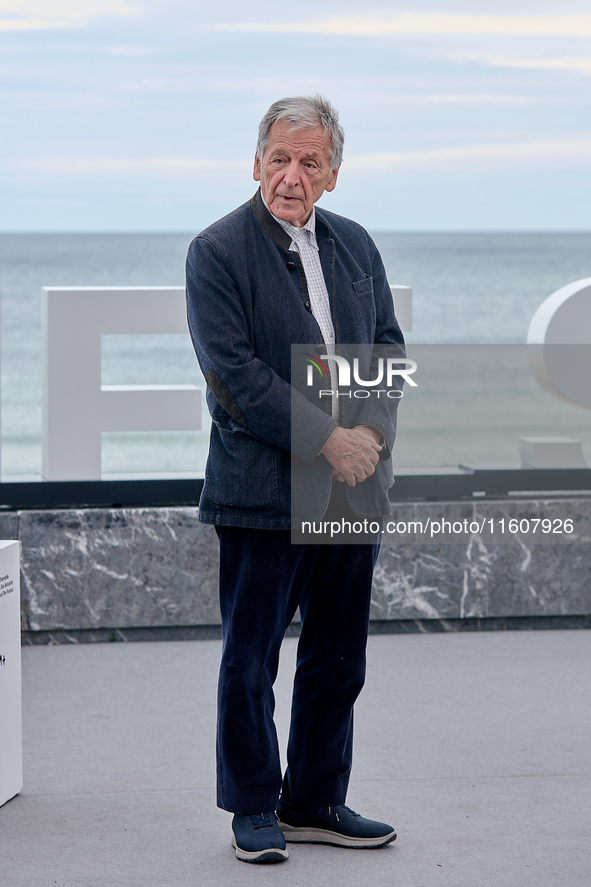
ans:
x=333 y=180
x=256 y=173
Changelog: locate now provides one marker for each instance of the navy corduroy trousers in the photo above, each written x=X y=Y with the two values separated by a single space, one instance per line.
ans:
x=263 y=579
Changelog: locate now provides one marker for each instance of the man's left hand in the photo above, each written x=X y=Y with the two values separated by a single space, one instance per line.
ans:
x=353 y=453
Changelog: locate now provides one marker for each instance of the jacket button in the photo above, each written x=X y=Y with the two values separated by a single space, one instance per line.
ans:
x=291 y=266
x=320 y=349
x=308 y=305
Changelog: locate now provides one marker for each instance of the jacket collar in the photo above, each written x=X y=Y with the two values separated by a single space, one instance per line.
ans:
x=274 y=229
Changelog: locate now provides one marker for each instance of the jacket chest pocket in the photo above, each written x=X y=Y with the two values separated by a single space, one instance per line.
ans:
x=364 y=308
x=364 y=288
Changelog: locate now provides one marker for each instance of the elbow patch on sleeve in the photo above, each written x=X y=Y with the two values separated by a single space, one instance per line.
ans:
x=220 y=391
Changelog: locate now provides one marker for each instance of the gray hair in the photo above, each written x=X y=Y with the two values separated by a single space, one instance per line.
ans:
x=305 y=112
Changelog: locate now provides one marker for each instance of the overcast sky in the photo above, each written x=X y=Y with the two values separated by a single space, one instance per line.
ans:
x=141 y=115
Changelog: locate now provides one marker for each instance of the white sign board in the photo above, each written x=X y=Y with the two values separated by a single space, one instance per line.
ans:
x=11 y=742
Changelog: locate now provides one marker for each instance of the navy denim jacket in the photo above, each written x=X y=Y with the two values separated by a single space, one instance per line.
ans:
x=247 y=303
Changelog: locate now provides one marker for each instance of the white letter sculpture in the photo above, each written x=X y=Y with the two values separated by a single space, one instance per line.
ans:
x=559 y=355
x=402 y=297
x=559 y=344
x=76 y=409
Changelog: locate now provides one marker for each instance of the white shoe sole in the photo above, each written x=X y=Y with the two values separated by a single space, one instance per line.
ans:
x=269 y=854
x=301 y=834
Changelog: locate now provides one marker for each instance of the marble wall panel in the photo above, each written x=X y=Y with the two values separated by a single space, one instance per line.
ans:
x=544 y=574
x=8 y=525
x=157 y=567
x=117 y=568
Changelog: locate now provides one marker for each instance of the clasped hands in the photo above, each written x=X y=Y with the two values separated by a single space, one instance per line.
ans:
x=353 y=453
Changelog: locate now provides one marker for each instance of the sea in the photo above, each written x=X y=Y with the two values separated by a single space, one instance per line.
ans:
x=474 y=295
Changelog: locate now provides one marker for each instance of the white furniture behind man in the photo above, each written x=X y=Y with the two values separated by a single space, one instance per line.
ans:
x=11 y=746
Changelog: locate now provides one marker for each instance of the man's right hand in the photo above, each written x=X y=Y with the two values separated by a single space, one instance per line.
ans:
x=353 y=454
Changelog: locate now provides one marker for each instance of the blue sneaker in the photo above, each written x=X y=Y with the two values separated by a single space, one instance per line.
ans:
x=338 y=825
x=256 y=837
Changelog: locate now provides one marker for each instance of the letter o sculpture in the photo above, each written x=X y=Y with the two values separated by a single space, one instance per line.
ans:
x=559 y=344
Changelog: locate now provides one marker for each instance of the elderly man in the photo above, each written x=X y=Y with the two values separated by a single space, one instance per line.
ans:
x=273 y=273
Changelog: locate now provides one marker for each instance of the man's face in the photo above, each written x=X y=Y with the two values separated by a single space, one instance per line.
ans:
x=294 y=171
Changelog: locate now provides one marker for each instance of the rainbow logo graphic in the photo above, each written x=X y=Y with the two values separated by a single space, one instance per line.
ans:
x=315 y=363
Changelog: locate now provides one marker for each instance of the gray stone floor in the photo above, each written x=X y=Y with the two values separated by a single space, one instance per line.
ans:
x=477 y=746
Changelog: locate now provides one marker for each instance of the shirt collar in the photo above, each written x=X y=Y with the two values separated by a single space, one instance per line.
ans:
x=295 y=232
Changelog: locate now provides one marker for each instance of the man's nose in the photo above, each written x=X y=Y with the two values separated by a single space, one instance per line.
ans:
x=292 y=175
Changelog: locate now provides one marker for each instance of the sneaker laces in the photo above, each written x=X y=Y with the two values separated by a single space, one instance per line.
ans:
x=332 y=811
x=352 y=812
x=260 y=820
